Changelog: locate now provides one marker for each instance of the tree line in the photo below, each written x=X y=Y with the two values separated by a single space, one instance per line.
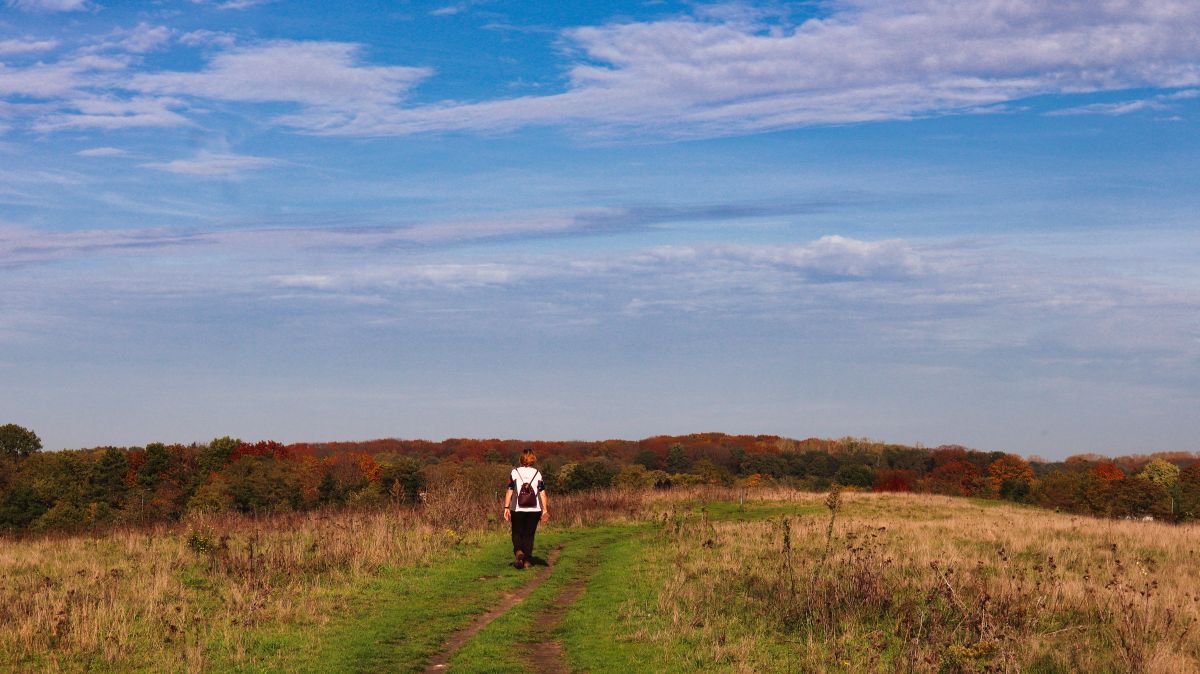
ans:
x=87 y=489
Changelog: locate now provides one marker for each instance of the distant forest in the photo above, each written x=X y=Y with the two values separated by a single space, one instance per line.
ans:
x=104 y=487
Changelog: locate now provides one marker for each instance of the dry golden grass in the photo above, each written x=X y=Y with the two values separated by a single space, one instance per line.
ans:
x=161 y=598
x=935 y=584
x=905 y=583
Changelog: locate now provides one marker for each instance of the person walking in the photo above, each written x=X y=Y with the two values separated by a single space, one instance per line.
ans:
x=525 y=505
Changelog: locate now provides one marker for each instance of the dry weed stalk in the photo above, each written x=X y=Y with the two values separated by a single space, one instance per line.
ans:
x=933 y=584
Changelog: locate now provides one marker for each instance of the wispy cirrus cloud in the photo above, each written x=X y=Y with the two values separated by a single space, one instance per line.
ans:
x=140 y=39
x=60 y=80
x=720 y=73
x=26 y=46
x=214 y=165
x=26 y=246
x=1159 y=102
x=202 y=37
x=973 y=296
x=107 y=112
x=226 y=5
x=49 y=5
x=20 y=246
x=103 y=152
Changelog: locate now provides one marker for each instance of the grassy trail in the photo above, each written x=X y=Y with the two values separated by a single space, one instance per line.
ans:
x=405 y=617
x=595 y=610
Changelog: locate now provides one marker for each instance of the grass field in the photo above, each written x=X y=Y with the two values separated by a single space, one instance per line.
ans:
x=680 y=582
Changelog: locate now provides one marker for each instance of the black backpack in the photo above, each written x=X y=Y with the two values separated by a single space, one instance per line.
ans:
x=526 y=495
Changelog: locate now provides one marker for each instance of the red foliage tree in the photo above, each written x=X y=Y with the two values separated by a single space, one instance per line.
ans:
x=947 y=453
x=955 y=477
x=894 y=480
x=1107 y=471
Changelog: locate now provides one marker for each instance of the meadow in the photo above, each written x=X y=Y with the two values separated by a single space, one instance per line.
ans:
x=703 y=579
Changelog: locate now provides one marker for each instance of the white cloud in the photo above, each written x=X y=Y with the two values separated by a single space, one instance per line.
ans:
x=242 y=4
x=837 y=258
x=233 y=4
x=867 y=60
x=100 y=112
x=958 y=297
x=103 y=152
x=198 y=38
x=1156 y=103
x=214 y=165
x=49 y=5
x=828 y=259
x=142 y=38
x=26 y=46
x=324 y=75
x=442 y=275
x=722 y=70
x=60 y=79
x=20 y=245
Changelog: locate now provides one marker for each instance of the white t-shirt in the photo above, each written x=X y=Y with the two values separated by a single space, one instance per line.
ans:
x=526 y=475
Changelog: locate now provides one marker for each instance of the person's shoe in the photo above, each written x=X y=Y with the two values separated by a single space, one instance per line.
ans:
x=521 y=563
x=528 y=564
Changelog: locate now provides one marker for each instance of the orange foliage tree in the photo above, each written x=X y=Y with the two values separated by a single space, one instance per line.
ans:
x=1009 y=467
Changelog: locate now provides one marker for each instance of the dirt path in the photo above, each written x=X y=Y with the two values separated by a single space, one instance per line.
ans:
x=439 y=663
x=546 y=657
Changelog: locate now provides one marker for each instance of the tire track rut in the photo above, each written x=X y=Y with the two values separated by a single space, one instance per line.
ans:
x=440 y=662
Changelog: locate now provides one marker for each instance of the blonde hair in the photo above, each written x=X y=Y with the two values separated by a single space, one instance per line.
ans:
x=528 y=458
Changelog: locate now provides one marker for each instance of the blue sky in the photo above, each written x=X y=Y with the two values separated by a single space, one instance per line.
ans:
x=920 y=221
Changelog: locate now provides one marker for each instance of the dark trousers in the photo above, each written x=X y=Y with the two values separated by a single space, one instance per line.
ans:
x=524 y=526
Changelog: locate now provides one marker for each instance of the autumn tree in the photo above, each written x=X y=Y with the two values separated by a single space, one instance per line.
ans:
x=1107 y=471
x=218 y=452
x=634 y=476
x=1138 y=497
x=18 y=442
x=402 y=478
x=1189 y=492
x=713 y=473
x=591 y=474
x=1161 y=472
x=1166 y=475
x=894 y=480
x=954 y=477
x=1012 y=469
x=1061 y=491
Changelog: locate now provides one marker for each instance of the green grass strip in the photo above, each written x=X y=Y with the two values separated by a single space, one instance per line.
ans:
x=398 y=620
x=503 y=646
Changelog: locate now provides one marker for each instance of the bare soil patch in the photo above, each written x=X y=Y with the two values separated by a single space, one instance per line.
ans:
x=546 y=656
x=440 y=661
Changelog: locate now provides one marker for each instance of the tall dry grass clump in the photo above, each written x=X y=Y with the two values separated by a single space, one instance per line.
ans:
x=160 y=598
x=885 y=583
